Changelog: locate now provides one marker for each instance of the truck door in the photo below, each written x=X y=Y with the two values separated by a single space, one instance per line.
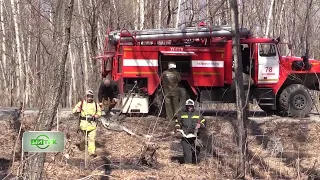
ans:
x=268 y=63
x=181 y=58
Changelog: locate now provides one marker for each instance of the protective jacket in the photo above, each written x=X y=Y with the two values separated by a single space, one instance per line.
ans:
x=170 y=81
x=88 y=124
x=187 y=121
x=86 y=108
x=108 y=92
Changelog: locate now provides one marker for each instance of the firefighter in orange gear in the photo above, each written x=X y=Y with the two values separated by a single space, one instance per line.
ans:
x=89 y=112
x=188 y=124
x=107 y=95
x=170 y=84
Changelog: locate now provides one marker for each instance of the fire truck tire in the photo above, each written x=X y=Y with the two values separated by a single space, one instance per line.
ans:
x=296 y=101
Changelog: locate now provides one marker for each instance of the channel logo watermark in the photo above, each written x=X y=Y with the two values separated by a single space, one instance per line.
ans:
x=43 y=141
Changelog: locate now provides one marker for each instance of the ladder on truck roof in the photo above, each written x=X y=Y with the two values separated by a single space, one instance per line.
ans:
x=116 y=37
x=134 y=36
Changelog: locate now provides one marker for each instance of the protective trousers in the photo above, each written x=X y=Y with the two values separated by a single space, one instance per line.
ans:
x=107 y=105
x=172 y=105
x=190 y=152
x=172 y=102
x=91 y=128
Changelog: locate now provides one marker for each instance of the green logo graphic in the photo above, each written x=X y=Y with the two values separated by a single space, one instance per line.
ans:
x=43 y=141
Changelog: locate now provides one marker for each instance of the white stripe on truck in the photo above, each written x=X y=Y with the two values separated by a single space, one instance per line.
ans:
x=207 y=63
x=140 y=62
x=154 y=63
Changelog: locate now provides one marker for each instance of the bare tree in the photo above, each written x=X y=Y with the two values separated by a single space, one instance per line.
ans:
x=16 y=12
x=84 y=47
x=269 y=18
x=3 y=63
x=72 y=88
x=178 y=14
x=159 y=14
x=141 y=13
x=92 y=12
x=308 y=29
x=34 y=166
x=240 y=94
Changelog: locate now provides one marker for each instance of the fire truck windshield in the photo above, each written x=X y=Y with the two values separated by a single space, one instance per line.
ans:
x=267 y=50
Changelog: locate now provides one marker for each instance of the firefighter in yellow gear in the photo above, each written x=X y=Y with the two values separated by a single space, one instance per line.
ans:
x=89 y=111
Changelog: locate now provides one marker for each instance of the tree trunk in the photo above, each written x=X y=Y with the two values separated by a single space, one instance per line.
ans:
x=141 y=13
x=208 y=10
x=269 y=18
x=21 y=76
x=192 y=14
x=153 y=14
x=72 y=93
x=169 y=14
x=240 y=94
x=27 y=56
x=308 y=27
x=4 y=56
x=93 y=43
x=100 y=41
x=34 y=166
x=159 y=14
x=116 y=12
x=84 y=49
x=178 y=14
x=136 y=14
x=280 y=17
x=38 y=59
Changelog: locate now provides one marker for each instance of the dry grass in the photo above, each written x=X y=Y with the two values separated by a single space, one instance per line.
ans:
x=119 y=153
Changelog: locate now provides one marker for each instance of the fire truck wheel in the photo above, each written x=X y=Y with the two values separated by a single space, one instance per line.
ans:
x=296 y=101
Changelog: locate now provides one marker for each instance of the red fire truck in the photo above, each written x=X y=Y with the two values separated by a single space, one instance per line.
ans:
x=203 y=55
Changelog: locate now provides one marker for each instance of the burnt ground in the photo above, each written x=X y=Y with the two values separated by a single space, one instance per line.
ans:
x=279 y=148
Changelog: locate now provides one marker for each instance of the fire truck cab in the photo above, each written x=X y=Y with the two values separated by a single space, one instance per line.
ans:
x=203 y=55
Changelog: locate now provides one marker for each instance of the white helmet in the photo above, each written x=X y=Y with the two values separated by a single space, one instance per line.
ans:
x=189 y=102
x=89 y=92
x=172 y=65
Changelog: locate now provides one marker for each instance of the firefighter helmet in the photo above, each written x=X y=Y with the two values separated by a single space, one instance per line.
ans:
x=89 y=92
x=171 y=65
x=189 y=102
